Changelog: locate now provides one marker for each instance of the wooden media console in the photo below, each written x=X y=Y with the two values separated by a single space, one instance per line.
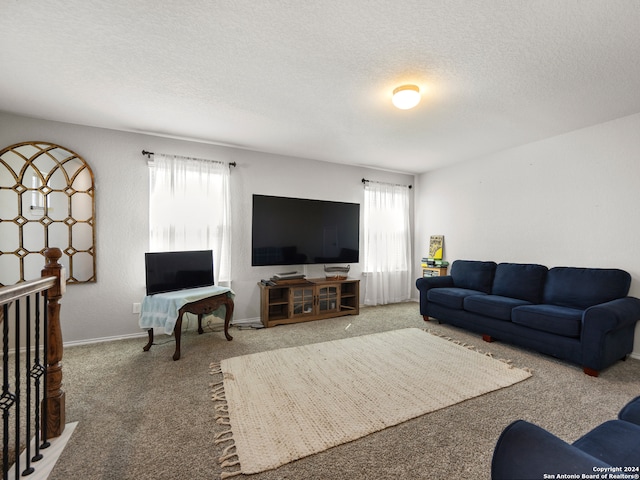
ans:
x=294 y=301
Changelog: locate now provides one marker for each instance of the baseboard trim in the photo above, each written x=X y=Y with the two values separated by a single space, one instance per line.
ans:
x=144 y=334
x=91 y=341
x=246 y=321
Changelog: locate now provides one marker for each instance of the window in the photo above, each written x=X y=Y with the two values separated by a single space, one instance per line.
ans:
x=387 y=243
x=189 y=209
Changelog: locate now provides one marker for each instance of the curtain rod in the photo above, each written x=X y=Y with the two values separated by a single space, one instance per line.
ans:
x=365 y=181
x=148 y=155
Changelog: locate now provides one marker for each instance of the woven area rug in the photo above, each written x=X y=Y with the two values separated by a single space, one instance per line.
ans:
x=285 y=404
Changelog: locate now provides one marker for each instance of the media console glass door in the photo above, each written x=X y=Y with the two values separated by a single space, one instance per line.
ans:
x=328 y=299
x=301 y=301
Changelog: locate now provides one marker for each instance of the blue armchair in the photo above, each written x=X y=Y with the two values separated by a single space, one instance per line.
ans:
x=525 y=451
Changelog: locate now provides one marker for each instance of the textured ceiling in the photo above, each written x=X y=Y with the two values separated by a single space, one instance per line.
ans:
x=314 y=79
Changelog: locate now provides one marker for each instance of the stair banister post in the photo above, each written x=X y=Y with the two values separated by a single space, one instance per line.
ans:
x=54 y=401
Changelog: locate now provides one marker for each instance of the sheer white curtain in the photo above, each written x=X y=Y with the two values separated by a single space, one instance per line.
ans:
x=189 y=209
x=387 y=243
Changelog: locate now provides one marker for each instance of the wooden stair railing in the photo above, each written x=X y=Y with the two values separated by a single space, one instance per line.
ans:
x=54 y=400
x=53 y=281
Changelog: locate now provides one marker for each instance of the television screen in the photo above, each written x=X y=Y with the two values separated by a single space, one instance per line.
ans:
x=294 y=231
x=171 y=271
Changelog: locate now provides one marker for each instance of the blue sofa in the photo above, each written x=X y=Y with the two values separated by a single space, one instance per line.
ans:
x=582 y=315
x=611 y=450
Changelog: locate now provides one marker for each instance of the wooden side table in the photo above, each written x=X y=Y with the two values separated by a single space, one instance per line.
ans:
x=200 y=307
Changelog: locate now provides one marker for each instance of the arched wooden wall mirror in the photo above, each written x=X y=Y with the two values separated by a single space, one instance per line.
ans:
x=46 y=200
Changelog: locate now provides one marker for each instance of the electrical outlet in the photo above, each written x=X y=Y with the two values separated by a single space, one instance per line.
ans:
x=136 y=308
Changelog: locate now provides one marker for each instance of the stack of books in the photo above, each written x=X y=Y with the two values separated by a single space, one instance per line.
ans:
x=434 y=262
x=287 y=277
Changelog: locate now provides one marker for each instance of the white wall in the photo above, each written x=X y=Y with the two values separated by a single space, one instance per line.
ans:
x=104 y=309
x=570 y=200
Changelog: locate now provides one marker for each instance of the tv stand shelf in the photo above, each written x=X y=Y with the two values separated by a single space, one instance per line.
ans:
x=307 y=300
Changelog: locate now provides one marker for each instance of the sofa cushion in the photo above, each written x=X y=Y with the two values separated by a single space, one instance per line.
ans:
x=524 y=281
x=584 y=287
x=473 y=275
x=563 y=321
x=451 y=297
x=493 y=306
x=614 y=442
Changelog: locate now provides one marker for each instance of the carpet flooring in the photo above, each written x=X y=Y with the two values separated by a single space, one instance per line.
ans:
x=285 y=404
x=143 y=416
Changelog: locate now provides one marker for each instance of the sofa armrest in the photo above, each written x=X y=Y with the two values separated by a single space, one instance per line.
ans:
x=424 y=284
x=631 y=411
x=526 y=451
x=612 y=315
x=607 y=332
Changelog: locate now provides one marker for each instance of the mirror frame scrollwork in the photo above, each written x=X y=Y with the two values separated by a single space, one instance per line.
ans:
x=52 y=186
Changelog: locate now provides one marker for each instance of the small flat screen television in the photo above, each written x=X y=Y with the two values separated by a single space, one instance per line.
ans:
x=294 y=231
x=171 y=271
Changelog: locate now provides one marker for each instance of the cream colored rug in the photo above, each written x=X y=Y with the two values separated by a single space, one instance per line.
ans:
x=286 y=404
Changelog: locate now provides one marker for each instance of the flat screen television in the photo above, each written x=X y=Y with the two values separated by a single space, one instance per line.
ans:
x=171 y=271
x=295 y=231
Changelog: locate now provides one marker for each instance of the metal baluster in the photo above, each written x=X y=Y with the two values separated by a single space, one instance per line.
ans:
x=7 y=397
x=36 y=373
x=45 y=354
x=28 y=470
x=17 y=388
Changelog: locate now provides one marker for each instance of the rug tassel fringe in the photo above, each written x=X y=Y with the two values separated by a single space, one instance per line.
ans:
x=218 y=394
x=509 y=363
x=226 y=455
x=217 y=388
x=218 y=438
x=226 y=450
x=223 y=460
x=225 y=463
x=222 y=418
x=225 y=475
x=222 y=440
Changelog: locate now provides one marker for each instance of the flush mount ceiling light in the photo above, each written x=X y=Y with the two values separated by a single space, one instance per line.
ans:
x=406 y=96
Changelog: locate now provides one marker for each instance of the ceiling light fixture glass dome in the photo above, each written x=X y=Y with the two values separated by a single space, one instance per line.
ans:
x=406 y=96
